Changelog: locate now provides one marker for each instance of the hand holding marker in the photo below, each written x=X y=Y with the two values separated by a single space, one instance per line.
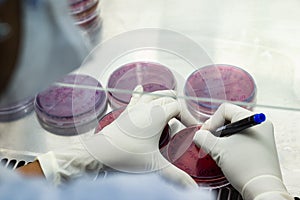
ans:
x=248 y=160
x=240 y=125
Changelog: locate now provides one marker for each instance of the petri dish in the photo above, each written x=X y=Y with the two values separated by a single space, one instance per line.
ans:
x=17 y=110
x=86 y=16
x=184 y=154
x=91 y=25
x=111 y=116
x=218 y=82
x=152 y=76
x=69 y=110
x=80 y=6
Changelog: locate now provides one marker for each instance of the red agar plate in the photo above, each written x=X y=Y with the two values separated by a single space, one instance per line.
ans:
x=183 y=153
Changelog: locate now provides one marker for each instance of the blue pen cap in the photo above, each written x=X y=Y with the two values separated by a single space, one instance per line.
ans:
x=259 y=118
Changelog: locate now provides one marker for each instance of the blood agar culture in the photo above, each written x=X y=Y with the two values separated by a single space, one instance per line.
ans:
x=152 y=76
x=70 y=110
x=183 y=153
x=218 y=82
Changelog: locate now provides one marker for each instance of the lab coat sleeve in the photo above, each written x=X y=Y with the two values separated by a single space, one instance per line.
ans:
x=131 y=187
x=61 y=165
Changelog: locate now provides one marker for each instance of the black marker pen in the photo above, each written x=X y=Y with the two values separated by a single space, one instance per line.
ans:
x=240 y=125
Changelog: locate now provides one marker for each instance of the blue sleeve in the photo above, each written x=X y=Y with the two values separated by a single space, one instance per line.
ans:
x=131 y=187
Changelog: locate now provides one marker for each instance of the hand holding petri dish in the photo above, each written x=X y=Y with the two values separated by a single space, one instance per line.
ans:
x=184 y=154
x=110 y=117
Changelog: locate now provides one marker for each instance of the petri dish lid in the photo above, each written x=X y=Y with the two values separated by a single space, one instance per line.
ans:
x=183 y=153
x=16 y=110
x=111 y=116
x=62 y=109
x=221 y=82
x=152 y=76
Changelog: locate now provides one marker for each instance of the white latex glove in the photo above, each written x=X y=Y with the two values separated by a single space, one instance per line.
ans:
x=69 y=163
x=248 y=159
x=185 y=117
x=129 y=144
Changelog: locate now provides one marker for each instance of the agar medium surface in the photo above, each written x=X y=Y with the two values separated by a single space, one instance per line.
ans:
x=152 y=76
x=183 y=153
x=218 y=82
x=71 y=110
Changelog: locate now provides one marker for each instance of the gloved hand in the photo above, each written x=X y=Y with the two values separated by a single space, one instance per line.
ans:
x=185 y=117
x=248 y=159
x=72 y=162
x=128 y=144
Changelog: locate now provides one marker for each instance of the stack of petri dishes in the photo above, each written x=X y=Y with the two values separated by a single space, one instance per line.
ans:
x=183 y=153
x=65 y=110
x=110 y=117
x=87 y=15
x=17 y=110
x=152 y=76
x=219 y=82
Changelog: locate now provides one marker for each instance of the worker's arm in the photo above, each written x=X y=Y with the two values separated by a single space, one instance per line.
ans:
x=248 y=159
x=31 y=169
x=129 y=144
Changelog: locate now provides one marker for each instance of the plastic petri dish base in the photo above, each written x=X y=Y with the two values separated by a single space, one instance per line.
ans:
x=16 y=111
x=183 y=153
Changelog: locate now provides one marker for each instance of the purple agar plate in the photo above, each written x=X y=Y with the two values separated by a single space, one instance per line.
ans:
x=183 y=153
x=152 y=76
x=219 y=82
x=70 y=110
x=17 y=110
x=110 y=117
